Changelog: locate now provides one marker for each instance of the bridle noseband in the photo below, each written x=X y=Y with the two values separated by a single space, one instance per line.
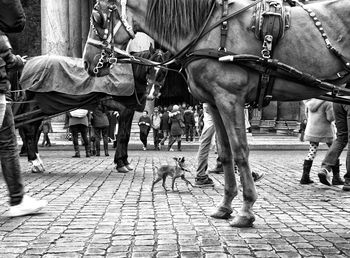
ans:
x=107 y=33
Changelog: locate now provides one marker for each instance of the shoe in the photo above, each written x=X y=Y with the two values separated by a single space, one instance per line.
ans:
x=171 y=149
x=257 y=177
x=325 y=177
x=122 y=170
x=217 y=170
x=346 y=186
x=204 y=181
x=144 y=148
x=77 y=155
x=28 y=206
x=130 y=168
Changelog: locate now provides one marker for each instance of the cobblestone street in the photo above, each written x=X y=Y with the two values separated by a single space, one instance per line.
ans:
x=94 y=211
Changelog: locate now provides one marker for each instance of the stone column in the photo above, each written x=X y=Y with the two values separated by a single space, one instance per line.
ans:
x=75 y=17
x=55 y=27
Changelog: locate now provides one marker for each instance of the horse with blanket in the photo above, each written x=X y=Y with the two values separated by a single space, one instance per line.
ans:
x=52 y=85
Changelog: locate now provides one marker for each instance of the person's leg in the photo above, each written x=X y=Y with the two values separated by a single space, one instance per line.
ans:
x=187 y=132
x=84 y=131
x=20 y=204
x=143 y=138
x=178 y=139
x=346 y=186
x=172 y=140
x=191 y=133
x=203 y=153
x=75 y=134
x=305 y=179
x=10 y=159
x=155 y=138
x=48 y=142
x=332 y=156
x=104 y=131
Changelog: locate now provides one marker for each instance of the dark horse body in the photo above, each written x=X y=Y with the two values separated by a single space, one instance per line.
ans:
x=125 y=105
x=227 y=87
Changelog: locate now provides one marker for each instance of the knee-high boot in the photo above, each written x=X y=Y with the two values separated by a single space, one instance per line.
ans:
x=336 y=180
x=305 y=179
x=105 y=147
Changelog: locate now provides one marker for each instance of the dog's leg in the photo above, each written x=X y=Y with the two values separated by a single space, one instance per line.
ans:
x=187 y=182
x=155 y=181
x=164 y=178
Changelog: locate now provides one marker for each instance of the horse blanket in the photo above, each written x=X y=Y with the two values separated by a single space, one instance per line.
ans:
x=50 y=73
x=60 y=83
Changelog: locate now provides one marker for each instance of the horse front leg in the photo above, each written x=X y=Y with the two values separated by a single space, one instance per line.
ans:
x=232 y=114
x=224 y=209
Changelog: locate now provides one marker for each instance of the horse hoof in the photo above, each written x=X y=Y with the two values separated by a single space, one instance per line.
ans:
x=129 y=167
x=222 y=213
x=122 y=170
x=242 y=222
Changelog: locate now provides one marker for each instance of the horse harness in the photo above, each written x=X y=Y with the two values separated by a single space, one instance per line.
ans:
x=270 y=20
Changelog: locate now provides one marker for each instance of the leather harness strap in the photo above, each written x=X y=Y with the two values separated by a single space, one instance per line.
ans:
x=224 y=26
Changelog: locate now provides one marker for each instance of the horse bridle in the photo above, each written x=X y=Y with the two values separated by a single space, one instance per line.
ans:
x=107 y=33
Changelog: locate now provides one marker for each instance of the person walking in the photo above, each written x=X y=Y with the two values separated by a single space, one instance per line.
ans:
x=189 y=123
x=12 y=20
x=78 y=123
x=155 y=124
x=208 y=131
x=176 y=123
x=319 y=128
x=100 y=125
x=145 y=125
x=164 y=125
x=46 y=128
x=330 y=162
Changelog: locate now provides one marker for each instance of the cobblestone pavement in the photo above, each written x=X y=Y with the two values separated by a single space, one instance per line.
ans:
x=95 y=212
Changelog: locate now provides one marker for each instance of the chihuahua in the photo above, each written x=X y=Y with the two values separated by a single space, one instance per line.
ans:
x=174 y=171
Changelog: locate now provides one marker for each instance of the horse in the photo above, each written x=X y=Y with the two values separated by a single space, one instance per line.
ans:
x=216 y=44
x=146 y=80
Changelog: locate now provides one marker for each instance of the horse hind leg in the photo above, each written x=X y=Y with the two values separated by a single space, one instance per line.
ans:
x=224 y=209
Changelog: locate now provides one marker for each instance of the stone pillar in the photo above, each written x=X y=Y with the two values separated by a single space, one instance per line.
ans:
x=55 y=27
x=86 y=8
x=75 y=46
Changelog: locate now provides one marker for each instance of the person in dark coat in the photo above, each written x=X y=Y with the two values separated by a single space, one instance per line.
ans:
x=189 y=123
x=78 y=123
x=46 y=129
x=145 y=126
x=164 y=125
x=100 y=124
x=176 y=121
x=12 y=20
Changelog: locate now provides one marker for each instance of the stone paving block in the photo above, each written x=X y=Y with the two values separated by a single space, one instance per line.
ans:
x=95 y=212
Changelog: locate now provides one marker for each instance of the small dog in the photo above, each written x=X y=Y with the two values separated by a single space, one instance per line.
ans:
x=174 y=171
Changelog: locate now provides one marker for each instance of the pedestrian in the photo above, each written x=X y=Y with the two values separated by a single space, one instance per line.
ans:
x=46 y=128
x=176 y=128
x=330 y=162
x=164 y=125
x=78 y=123
x=155 y=124
x=100 y=125
x=189 y=123
x=208 y=131
x=20 y=203
x=319 y=128
x=145 y=125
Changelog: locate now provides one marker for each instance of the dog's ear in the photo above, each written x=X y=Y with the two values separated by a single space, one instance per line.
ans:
x=182 y=159
x=176 y=159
